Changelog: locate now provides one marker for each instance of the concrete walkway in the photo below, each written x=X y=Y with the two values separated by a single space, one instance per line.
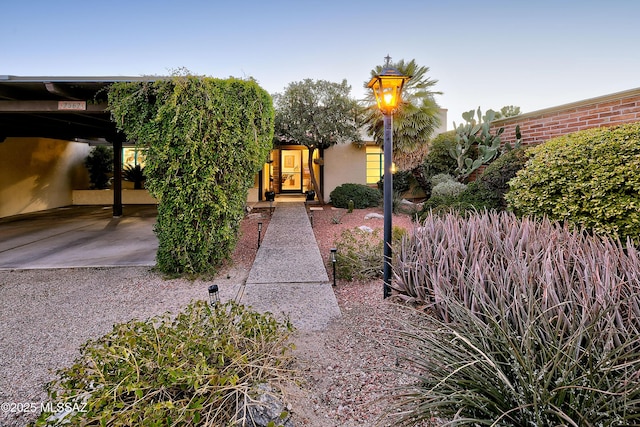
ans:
x=288 y=275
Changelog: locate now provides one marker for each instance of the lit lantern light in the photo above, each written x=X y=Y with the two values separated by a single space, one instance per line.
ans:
x=387 y=88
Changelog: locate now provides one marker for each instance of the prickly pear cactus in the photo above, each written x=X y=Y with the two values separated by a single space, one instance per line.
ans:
x=475 y=133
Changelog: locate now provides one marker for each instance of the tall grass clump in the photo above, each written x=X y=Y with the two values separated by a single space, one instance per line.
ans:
x=529 y=323
x=203 y=367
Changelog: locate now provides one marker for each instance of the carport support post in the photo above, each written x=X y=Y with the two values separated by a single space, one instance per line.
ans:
x=117 y=176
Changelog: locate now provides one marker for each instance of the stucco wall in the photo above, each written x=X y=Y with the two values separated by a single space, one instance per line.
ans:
x=39 y=173
x=343 y=163
x=539 y=126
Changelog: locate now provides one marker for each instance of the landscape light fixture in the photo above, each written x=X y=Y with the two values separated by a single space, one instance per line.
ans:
x=333 y=261
x=387 y=89
x=259 y=233
x=214 y=296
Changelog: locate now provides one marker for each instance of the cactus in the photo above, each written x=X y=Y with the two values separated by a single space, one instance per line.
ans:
x=476 y=134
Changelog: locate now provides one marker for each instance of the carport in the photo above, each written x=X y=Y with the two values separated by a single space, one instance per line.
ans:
x=65 y=108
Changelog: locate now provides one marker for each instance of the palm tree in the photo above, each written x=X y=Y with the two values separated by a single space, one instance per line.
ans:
x=418 y=115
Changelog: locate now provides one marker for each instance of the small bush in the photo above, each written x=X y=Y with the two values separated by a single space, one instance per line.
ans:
x=363 y=197
x=589 y=178
x=488 y=190
x=530 y=323
x=448 y=189
x=441 y=178
x=191 y=370
x=360 y=253
x=402 y=181
x=438 y=160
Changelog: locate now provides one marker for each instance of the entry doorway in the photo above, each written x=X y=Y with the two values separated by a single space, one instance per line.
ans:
x=291 y=171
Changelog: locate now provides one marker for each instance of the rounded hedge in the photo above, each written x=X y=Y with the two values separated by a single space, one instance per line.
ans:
x=363 y=197
x=589 y=178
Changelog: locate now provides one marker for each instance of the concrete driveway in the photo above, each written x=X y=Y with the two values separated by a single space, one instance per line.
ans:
x=79 y=236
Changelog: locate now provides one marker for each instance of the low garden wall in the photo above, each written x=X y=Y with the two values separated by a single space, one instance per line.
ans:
x=542 y=125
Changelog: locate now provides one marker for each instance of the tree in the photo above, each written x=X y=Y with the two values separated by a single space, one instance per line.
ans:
x=418 y=115
x=316 y=114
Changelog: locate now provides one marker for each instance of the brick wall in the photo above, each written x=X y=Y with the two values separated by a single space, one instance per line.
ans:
x=542 y=125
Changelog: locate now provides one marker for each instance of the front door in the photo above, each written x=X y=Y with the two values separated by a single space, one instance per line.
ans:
x=291 y=171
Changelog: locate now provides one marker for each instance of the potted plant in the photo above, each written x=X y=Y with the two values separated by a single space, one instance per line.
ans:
x=100 y=165
x=134 y=174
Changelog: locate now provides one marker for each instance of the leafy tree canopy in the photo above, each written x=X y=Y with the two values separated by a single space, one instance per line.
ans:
x=316 y=114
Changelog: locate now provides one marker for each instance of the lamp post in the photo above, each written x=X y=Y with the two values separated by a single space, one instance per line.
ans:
x=387 y=88
x=259 y=233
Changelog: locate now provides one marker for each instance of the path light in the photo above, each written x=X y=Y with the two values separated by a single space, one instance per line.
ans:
x=214 y=296
x=259 y=233
x=387 y=88
x=333 y=261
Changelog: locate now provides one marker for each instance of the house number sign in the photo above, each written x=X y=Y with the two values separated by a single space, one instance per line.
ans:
x=72 y=105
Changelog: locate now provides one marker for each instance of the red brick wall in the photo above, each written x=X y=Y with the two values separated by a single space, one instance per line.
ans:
x=539 y=126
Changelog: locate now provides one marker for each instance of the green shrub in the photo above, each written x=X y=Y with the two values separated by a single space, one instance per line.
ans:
x=360 y=253
x=440 y=178
x=448 y=189
x=402 y=181
x=438 y=160
x=589 y=178
x=206 y=139
x=99 y=163
x=520 y=331
x=188 y=371
x=362 y=196
x=488 y=190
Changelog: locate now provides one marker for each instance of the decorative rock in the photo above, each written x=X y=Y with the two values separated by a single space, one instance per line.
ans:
x=265 y=409
x=366 y=229
x=373 y=215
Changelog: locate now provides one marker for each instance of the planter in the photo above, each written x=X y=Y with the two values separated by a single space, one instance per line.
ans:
x=310 y=195
x=270 y=196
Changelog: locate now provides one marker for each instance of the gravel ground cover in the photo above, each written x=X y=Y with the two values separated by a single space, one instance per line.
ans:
x=345 y=370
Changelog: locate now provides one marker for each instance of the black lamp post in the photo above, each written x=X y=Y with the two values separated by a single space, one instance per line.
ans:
x=387 y=88
x=259 y=233
x=333 y=261
x=214 y=296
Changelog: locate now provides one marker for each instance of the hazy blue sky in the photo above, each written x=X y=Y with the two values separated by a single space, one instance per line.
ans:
x=533 y=54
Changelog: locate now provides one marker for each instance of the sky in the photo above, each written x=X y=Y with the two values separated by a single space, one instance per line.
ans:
x=489 y=54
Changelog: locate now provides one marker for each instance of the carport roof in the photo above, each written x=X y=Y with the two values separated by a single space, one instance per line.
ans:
x=58 y=107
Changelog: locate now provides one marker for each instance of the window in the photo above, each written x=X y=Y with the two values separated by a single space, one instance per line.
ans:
x=133 y=156
x=375 y=164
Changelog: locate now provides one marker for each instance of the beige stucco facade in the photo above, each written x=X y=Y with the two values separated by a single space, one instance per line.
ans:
x=344 y=163
x=39 y=173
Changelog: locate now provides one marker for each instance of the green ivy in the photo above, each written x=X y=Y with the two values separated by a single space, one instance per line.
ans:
x=206 y=139
x=589 y=178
